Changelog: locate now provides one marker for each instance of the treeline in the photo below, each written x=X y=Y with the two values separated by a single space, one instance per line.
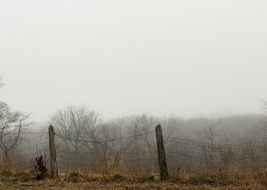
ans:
x=85 y=138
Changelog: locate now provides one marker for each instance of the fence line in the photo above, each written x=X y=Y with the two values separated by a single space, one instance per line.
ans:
x=138 y=152
x=105 y=141
x=122 y=155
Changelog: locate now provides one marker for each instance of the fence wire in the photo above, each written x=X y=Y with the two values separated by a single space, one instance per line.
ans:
x=131 y=153
x=136 y=153
x=193 y=155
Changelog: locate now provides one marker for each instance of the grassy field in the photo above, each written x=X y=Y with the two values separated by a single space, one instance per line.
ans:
x=124 y=186
x=219 y=181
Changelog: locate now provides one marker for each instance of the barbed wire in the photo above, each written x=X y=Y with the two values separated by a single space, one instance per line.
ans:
x=201 y=143
x=180 y=152
x=105 y=141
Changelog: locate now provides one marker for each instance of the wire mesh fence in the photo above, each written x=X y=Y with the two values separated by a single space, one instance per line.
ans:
x=128 y=154
x=188 y=154
x=135 y=153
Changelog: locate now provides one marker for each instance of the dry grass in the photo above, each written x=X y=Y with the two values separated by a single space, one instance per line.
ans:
x=123 y=186
x=180 y=181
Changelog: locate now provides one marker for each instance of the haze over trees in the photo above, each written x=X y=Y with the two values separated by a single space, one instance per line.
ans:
x=11 y=125
x=84 y=135
x=82 y=132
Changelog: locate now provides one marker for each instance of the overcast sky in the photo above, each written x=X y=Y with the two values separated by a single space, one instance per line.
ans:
x=121 y=57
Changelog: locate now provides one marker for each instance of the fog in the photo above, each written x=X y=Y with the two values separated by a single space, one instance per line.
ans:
x=186 y=58
x=117 y=82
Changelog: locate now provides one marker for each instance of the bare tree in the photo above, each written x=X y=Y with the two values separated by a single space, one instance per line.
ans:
x=11 y=125
x=78 y=130
x=211 y=132
x=208 y=136
x=71 y=124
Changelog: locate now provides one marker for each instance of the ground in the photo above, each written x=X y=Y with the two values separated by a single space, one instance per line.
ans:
x=178 y=181
x=122 y=186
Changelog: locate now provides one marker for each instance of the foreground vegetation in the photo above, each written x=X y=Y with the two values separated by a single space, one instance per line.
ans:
x=180 y=181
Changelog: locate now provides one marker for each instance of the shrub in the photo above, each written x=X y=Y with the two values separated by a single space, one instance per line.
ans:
x=8 y=179
x=40 y=168
x=118 y=177
x=74 y=174
x=145 y=179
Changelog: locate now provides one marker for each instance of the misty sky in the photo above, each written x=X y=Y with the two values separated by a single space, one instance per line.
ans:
x=121 y=57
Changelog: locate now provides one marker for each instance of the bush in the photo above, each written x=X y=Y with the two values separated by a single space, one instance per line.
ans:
x=8 y=179
x=74 y=174
x=145 y=179
x=118 y=177
x=40 y=168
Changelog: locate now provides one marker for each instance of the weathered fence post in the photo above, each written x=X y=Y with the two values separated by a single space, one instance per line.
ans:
x=164 y=174
x=53 y=153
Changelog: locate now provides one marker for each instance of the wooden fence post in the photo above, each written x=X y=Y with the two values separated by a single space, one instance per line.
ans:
x=53 y=153
x=164 y=174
